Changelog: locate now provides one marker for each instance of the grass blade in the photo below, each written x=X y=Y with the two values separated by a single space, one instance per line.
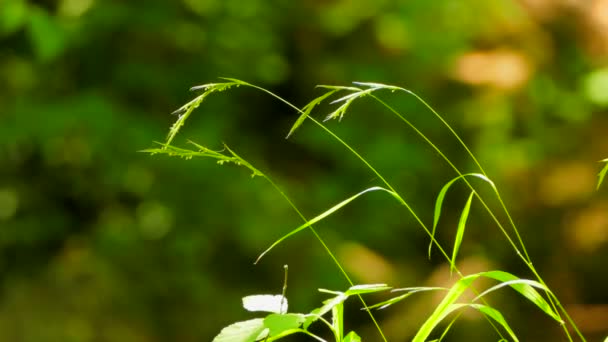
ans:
x=441 y=197
x=496 y=316
x=367 y=288
x=460 y=231
x=319 y=218
x=602 y=173
x=411 y=291
x=526 y=289
x=307 y=109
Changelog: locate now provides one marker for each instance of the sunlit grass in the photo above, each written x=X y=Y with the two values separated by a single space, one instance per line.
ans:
x=277 y=325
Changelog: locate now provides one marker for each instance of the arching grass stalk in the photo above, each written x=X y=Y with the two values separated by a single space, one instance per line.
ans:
x=231 y=157
x=339 y=113
x=465 y=282
x=357 y=93
x=305 y=114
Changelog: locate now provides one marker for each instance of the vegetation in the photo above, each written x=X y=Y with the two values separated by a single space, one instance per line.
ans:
x=101 y=243
x=279 y=323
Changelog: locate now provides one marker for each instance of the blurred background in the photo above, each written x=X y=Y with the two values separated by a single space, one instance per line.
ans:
x=101 y=243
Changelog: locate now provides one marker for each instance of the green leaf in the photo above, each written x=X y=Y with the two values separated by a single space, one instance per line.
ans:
x=460 y=231
x=602 y=173
x=441 y=197
x=352 y=337
x=445 y=307
x=496 y=316
x=279 y=324
x=367 y=288
x=526 y=289
x=245 y=331
x=307 y=109
x=410 y=291
x=321 y=217
x=265 y=303
x=328 y=305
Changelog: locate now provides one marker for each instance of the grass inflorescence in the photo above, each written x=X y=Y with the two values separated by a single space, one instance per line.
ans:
x=278 y=323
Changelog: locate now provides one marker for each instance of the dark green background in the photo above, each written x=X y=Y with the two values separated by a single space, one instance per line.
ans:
x=101 y=243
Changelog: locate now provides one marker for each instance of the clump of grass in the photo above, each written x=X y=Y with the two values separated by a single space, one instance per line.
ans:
x=278 y=323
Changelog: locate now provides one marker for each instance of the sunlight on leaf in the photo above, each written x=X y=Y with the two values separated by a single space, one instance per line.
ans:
x=410 y=291
x=352 y=337
x=307 y=109
x=460 y=231
x=265 y=303
x=602 y=173
x=447 y=304
x=246 y=331
x=279 y=324
x=441 y=197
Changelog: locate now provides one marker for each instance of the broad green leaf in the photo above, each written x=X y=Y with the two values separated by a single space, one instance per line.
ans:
x=279 y=324
x=307 y=109
x=441 y=197
x=245 y=331
x=352 y=337
x=367 y=288
x=410 y=291
x=460 y=231
x=328 y=305
x=321 y=217
x=265 y=303
x=602 y=173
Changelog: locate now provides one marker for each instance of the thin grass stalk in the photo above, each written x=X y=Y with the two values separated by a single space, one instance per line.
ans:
x=398 y=197
x=525 y=256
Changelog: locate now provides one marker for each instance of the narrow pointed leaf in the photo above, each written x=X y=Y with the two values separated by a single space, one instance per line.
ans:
x=320 y=217
x=527 y=290
x=367 y=288
x=441 y=197
x=460 y=230
x=307 y=109
x=602 y=173
x=411 y=291
x=496 y=316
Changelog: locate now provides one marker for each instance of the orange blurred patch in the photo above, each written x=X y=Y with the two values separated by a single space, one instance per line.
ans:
x=503 y=69
x=367 y=265
x=589 y=228
x=567 y=182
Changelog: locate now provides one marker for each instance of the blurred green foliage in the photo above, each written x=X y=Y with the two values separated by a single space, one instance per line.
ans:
x=100 y=243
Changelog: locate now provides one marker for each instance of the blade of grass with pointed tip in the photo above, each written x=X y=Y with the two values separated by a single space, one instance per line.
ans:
x=441 y=197
x=460 y=231
x=389 y=302
x=602 y=173
x=527 y=290
x=307 y=109
x=496 y=316
x=319 y=218
x=367 y=288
